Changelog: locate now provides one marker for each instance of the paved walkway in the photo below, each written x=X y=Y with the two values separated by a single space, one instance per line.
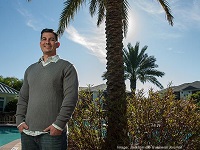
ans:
x=14 y=145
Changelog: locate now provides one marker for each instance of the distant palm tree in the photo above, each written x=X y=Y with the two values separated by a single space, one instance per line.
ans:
x=140 y=66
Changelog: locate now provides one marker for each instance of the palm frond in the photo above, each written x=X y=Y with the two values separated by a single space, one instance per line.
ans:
x=92 y=8
x=133 y=52
x=154 y=72
x=148 y=62
x=70 y=9
x=167 y=10
x=101 y=12
x=128 y=58
x=142 y=53
x=127 y=64
x=153 y=80
x=104 y=75
x=125 y=17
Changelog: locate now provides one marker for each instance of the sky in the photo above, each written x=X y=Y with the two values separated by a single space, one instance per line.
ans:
x=176 y=48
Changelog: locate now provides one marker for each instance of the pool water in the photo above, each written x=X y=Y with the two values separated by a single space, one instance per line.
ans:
x=8 y=134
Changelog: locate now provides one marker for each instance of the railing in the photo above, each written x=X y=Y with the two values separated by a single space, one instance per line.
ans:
x=7 y=118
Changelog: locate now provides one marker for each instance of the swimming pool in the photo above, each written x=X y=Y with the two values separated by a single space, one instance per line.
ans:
x=8 y=134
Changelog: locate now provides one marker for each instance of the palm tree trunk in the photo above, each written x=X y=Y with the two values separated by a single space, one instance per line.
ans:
x=133 y=84
x=116 y=102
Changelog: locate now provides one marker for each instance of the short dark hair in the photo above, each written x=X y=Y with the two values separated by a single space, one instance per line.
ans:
x=51 y=31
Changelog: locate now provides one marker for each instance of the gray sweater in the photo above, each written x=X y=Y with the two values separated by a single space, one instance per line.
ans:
x=49 y=95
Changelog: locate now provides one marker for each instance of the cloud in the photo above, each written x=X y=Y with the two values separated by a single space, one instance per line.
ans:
x=175 y=51
x=30 y=20
x=94 y=41
x=186 y=17
x=48 y=18
x=147 y=6
x=186 y=13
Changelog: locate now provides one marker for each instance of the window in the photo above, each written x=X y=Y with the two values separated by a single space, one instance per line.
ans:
x=1 y=103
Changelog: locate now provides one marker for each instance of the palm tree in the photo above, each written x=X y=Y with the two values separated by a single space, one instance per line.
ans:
x=115 y=12
x=140 y=66
x=115 y=27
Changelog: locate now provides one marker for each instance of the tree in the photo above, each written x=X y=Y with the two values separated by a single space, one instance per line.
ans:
x=11 y=106
x=12 y=82
x=115 y=12
x=140 y=66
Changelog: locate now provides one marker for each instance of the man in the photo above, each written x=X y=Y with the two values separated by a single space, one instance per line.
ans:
x=47 y=98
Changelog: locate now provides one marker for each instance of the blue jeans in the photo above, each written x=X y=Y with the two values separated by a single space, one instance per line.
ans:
x=44 y=142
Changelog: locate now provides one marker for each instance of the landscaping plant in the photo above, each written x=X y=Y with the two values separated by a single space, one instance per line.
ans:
x=156 y=121
x=160 y=121
x=87 y=126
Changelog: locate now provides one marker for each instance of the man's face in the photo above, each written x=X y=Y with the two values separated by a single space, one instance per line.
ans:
x=48 y=44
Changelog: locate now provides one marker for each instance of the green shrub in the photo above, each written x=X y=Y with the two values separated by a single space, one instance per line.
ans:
x=154 y=122
x=160 y=121
x=11 y=106
x=86 y=127
x=196 y=98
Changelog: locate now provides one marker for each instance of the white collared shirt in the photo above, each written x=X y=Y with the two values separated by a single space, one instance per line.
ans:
x=54 y=59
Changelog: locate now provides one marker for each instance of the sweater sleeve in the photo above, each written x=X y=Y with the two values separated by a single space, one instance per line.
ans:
x=70 y=92
x=22 y=101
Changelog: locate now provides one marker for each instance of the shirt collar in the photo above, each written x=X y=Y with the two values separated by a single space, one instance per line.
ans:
x=54 y=59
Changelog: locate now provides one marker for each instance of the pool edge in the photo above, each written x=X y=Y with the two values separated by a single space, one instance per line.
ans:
x=8 y=125
x=14 y=145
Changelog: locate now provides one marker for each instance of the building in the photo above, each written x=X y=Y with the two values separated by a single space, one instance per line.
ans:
x=95 y=90
x=6 y=94
x=184 y=90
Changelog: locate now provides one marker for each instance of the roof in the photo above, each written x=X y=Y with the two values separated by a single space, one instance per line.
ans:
x=6 y=89
x=187 y=86
x=101 y=87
